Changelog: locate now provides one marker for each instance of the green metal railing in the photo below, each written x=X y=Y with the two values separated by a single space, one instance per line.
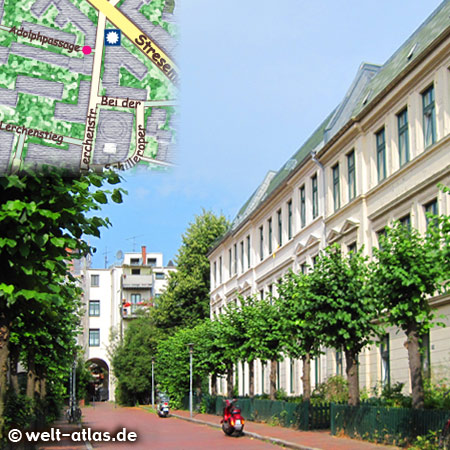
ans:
x=383 y=424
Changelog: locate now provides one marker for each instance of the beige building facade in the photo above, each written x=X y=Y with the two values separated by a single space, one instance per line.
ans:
x=377 y=157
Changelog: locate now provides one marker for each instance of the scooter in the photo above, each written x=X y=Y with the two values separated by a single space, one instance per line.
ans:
x=232 y=421
x=163 y=407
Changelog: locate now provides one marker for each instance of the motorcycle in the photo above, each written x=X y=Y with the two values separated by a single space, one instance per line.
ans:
x=232 y=421
x=163 y=407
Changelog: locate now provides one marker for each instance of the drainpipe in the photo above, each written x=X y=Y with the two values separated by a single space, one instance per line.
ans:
x=323 y=196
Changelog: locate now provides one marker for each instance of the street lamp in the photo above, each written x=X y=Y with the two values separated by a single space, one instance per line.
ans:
x=153 y=382
x=191 y=349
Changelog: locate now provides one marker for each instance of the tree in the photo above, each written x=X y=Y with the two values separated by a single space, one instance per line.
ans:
x=266 y=334
x=132 y=360
x=303 y=333
x=172 y=359
x=43 y=218
x=186 y=298
x=343 y=308
x=407 y=270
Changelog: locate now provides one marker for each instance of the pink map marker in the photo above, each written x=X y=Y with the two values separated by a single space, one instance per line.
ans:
x=86 y=50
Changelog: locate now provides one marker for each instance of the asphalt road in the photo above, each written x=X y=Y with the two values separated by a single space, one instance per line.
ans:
x=157 y=433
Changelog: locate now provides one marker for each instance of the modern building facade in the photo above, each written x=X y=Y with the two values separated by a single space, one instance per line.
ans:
x=377 y=157
x=112 y=298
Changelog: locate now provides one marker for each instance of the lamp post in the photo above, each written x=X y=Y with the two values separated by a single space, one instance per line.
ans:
x=190 y=345
x=153 y=382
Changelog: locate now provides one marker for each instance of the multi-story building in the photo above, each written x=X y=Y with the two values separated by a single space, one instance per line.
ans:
x=113 y=297
x=378 y=156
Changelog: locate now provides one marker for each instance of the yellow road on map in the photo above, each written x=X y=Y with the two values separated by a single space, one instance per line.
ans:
x=156 y=55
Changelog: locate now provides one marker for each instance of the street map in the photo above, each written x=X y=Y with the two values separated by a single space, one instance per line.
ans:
x=87 y=84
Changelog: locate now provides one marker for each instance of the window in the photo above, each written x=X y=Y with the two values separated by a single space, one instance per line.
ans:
x=315 y=197
x=302 y=207
x=303 y=268
x=425 y=354
x=220 y=269
x=242 y=256
x=351 y=248
x=289 y=205
x=278 y=375
x=270 y=236
x=431 y=209
x=406 y=221
x=134 y=261
x=280 y=228
x=261 y=294
x=95 y=280
x=385 y=361
x=214 y=273
x=379 y=234
x=381 y=155
x=94 y=308
x=336 y=188
x=270 y=293
x=403 y=139
x=314 y=260
x=94 y=337
x=160 y=275
x=429 y=117
x=135 y=299
x=263 y=365
x=261 y=243
x=151 y=262
x=248 y=251
x=235 y=258
x=351 y=175
x=135 y=271
x=317 y=370
x=339 y=366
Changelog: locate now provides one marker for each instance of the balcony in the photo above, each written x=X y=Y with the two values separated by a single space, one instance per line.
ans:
x=136 y=281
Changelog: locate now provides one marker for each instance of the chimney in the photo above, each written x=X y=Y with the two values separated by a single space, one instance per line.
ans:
x=144 y=255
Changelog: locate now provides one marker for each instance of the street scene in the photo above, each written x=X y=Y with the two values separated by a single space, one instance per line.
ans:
x=284 y=284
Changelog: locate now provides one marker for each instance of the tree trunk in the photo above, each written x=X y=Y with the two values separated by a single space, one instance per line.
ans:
x=273 y=380
x=251 y=379
x=306 y=378
x=4 y=353
x=415 y=366
x=230 y=382
x=31 y=377
x=43 y=388
x=352 y=377
x=13 y=363
x=214 y=384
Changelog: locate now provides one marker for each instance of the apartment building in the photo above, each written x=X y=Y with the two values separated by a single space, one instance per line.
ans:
x=112 y=298
x=377 y=157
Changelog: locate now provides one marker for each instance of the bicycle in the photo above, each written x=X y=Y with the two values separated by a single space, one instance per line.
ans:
x=444 y=438
x=73 y=414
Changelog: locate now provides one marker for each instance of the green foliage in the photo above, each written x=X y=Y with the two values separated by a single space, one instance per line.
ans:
x=186 y=298
x=172 y=359
x=18 y=410
x=43 y=220
x=437 y=396
x=334 y=389
x=132 y=361
x=428 y=442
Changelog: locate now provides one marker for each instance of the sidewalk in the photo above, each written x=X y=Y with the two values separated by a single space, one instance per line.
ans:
x=303 y=440
x=65 y=443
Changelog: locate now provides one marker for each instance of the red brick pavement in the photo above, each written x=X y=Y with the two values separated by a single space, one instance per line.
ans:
x=307 y=439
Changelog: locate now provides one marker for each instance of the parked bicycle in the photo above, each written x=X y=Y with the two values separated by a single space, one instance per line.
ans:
x=444 y=438
x=73 y=414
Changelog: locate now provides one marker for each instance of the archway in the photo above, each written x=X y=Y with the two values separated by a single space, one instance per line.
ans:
x=98 y=389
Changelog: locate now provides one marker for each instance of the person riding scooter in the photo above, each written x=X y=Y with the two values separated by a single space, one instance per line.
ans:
x=232 y=420
x=162 y=407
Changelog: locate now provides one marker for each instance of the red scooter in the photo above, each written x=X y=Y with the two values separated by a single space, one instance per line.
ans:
x=232 y=421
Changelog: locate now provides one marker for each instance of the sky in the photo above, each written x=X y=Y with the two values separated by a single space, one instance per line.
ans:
x=258 y=77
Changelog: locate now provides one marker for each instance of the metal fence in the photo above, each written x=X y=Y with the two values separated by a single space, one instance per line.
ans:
x=303 y=416
x=383 y=424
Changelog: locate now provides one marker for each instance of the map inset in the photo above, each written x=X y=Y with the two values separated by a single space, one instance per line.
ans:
x=87 y=84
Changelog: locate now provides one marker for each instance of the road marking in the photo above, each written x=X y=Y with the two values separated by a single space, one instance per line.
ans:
x=146 y=45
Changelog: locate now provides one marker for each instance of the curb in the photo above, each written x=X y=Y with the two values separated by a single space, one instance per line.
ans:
x=260 y=437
